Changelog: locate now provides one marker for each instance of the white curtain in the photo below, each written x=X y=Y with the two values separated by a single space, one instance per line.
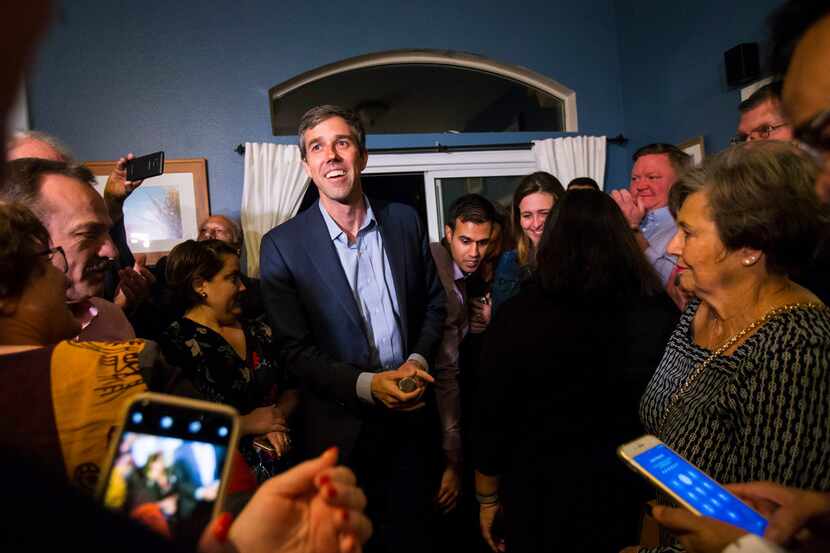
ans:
x=274 y=185
x=571 y=157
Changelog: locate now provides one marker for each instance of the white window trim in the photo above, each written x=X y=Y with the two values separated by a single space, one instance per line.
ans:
x=436 y=166
x=438 y=57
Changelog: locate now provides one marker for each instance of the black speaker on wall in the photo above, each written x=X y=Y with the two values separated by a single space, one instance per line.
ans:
x=743 y=64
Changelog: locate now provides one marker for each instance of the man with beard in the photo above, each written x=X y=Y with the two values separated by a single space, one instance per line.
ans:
x=63 y=198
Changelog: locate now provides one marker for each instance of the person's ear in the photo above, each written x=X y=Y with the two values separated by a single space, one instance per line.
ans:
x=448 y=233
x=749 y=256
x=200 y=287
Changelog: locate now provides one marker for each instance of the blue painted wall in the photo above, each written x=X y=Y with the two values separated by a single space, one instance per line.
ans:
x=191 y=77
x=674 y=81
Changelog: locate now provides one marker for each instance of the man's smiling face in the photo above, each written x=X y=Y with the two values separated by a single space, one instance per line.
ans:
x=334 y=160
x=651 y=179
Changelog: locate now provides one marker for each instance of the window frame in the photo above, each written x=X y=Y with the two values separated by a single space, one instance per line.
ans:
x=437 y=166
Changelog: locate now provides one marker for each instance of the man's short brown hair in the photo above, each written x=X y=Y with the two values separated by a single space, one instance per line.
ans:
x=680 y=160
x=317 y=115
x=24 y=178
x=770 y=92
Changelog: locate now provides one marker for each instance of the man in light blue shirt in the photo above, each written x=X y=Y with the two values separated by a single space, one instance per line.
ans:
x=357 y=313
x=369 y=275
x=645 y=203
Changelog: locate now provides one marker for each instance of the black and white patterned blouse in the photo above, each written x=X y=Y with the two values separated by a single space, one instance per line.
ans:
x=762 y=413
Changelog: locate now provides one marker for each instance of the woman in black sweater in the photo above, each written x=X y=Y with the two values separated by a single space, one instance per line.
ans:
x=564 y=365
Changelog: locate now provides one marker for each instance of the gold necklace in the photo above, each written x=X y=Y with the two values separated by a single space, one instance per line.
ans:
x=725 y=346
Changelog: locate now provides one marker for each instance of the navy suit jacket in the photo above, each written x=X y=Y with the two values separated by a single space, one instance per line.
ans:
x=318 y=330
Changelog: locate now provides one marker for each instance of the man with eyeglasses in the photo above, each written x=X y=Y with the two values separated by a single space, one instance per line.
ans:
x=762 y=117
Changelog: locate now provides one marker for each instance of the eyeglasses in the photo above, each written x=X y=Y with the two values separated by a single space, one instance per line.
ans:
x=814 y=135
x=58 y=261
x=761 y=133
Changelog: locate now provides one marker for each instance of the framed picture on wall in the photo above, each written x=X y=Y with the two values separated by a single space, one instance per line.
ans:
x=694 y=147
x=165 y=210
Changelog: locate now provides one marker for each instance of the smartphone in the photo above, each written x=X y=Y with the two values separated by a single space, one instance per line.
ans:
x=169 y=464
x=687 y=485
x=144 y=167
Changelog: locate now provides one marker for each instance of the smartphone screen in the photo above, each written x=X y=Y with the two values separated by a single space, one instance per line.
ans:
x=168 y=467
x=698 y=490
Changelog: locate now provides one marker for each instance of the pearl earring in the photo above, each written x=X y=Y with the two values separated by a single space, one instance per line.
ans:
x=749 y=261
x=204 y=295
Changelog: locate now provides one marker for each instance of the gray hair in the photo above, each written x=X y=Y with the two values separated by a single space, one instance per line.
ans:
x=761 y=195
x=22 y=136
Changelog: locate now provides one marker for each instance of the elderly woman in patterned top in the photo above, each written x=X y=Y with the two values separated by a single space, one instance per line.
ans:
x=227 y=359
x=743 y=389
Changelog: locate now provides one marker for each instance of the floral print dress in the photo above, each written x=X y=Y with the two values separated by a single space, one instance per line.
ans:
x=220 y=375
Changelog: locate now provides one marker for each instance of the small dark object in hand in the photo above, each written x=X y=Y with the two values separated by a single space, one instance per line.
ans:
x=408 y=384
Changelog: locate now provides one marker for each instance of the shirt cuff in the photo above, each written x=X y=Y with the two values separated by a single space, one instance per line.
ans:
x=420 y=359
x=363 y=387
x=750 y=543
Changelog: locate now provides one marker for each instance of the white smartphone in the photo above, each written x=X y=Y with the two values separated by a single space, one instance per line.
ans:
x=687 y=485
x=169 y=464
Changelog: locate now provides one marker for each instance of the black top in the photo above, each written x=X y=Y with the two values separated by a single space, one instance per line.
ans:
x=558 y=393
x=32 y=496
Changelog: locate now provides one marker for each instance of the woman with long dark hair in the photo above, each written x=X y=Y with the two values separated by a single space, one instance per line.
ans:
x=562 y=370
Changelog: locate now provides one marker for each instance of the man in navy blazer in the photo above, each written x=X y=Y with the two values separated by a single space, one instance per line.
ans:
x=357 y=312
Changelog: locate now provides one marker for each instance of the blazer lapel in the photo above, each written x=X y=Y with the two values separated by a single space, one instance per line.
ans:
x=324 y=257
x=393 y=240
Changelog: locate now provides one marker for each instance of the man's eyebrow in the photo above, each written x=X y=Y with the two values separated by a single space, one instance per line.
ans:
x=88 y=227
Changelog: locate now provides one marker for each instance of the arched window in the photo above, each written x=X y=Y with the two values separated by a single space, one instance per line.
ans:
x=428 y=91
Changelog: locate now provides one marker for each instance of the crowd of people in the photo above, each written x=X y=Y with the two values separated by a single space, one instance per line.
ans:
x=474 y=389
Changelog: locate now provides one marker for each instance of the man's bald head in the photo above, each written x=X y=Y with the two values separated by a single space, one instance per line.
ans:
x=219 y=227
x=37 y=145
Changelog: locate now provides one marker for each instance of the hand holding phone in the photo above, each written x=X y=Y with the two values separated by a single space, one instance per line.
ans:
x=144 y=167
x=687 y=485
x=170 y=463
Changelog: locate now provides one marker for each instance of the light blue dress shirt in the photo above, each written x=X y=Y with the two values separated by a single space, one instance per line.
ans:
x=370 y=278
x=658 y=228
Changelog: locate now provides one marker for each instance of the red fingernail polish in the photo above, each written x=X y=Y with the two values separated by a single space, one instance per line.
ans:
x=222 y=526
x=325 y=479
x=331 y=493
x=344 y=514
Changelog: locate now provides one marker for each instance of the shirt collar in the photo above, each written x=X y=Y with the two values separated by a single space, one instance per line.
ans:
x=335 y=231
x=457 y=273
x=659 y=215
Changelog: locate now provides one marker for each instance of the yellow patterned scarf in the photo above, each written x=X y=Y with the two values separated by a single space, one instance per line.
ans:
x=91 y=383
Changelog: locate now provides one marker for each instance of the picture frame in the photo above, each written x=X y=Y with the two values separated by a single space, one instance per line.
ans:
x=695 y=148
x=165 y=210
